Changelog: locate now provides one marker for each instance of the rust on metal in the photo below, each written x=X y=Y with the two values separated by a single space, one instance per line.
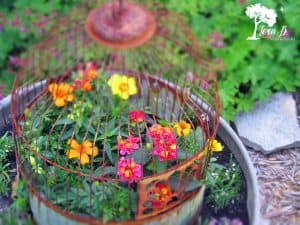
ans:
x=129 y=26
x=146 y=187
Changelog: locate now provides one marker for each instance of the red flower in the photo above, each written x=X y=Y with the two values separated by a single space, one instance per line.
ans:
x=84 y=85
x=162 y=192
x=129 y=170
x=137 y=116
x=128 y=145
x=160 y=195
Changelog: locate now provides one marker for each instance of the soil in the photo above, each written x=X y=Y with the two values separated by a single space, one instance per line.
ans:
x=237 y=208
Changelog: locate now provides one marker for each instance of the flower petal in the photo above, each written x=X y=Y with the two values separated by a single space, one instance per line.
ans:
x=93 y=151
x=186 y=132
x=59 y=102
x=74 y=144
x=84 y=159
x=87 y=144
x=70 y=98
x=73 y=154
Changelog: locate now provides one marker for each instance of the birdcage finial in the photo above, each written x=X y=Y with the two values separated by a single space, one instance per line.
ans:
x=121 y=24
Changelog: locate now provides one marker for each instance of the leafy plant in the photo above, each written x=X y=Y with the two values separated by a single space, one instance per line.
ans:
x=253 y=69
x=223 y=183
x=6 y=146
x=21 y=199
x=4 y=178
x=18 y=213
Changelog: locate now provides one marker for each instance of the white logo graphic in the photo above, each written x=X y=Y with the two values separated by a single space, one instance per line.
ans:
x=260 y=14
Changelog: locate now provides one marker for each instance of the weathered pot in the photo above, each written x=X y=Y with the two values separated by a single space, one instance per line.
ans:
x=45 y=214
x=231 y=139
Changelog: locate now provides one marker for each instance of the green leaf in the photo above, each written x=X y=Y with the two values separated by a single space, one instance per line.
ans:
x=109 y=153
x=67 y=134
x=164 y=123
x=142 y=156
x=64 y=121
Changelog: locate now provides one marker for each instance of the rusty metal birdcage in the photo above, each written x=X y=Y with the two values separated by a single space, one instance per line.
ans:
x=114 y=114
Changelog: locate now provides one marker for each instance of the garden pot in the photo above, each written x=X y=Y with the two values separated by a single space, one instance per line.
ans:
x=234 y=143
x=45 y=213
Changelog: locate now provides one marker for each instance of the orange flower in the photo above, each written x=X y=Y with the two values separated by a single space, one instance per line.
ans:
x=61 y=93
x=91 y=71
x=85 y=77
x=81 y=151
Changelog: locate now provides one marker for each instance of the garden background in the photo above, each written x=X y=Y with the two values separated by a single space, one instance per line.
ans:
x=252 y=70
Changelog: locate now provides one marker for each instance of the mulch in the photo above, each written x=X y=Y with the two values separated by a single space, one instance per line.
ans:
x=279 y=182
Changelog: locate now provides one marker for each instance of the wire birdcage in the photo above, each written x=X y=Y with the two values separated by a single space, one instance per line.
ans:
x=115 y=112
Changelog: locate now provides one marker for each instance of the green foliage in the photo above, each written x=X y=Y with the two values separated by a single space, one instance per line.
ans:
x=18 y=213
x=253 y=69
x=21 y=201
x=6 y=147
x=4 y=178
x=223 y=184
x=192 y=143
x=10 y=218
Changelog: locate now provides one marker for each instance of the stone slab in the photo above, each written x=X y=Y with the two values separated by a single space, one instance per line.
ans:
x=271 y=126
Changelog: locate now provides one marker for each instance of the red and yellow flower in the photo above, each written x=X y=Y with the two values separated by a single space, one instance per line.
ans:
x=162 y=192
x=90 y=71
x=62 y=93
x=129 y=145
x=164 y=140
x=129 y=170
x=81 y=151
x=85 y=77
x=84 y=85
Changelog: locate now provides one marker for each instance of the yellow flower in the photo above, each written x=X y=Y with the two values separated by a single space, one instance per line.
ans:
x=61 y=93
x=81 y=151
x=182 y=128
x=215 y=146
x=123 y=86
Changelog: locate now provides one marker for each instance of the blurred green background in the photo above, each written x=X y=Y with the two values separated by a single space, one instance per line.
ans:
x=253 y=70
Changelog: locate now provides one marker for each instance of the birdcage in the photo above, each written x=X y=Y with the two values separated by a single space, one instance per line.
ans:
x=115 y=112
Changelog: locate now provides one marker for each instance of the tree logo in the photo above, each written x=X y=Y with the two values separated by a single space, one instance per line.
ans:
x=260 y=14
